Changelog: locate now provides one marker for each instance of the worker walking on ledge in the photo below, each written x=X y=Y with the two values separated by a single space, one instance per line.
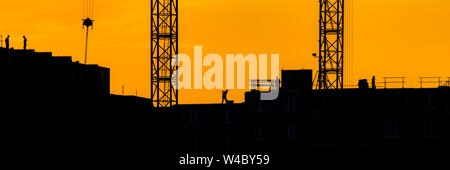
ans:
x=374 y=86
x=7 y=42
x=224 y=96
x=24 y=43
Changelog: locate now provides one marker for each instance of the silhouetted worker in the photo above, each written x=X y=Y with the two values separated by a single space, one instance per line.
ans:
x=224 y=96
x=7 y=42
x=374 y=86
x=24 y=43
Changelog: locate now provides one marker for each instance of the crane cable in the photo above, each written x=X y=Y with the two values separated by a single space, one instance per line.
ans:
x=88 y=9
x=349 y=41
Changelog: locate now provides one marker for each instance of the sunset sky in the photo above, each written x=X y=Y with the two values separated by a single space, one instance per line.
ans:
x=391 y=37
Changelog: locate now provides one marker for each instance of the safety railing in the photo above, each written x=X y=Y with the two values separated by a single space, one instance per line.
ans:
x=394 y=80
x=262 y=85
x=430 y=80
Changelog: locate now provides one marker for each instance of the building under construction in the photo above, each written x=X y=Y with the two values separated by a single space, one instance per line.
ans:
x=302 y=122
x=59 y=110
x=70 y=103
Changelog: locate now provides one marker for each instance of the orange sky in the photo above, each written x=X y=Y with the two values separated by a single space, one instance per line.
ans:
x=391 y=37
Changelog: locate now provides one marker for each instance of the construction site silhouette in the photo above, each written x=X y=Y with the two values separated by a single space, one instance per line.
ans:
x=64 y=109
x=57 y=112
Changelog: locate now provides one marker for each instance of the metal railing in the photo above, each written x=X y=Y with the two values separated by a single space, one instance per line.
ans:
x=440 y=81
x=430 y=80
x=394 y=80
x=262 y=85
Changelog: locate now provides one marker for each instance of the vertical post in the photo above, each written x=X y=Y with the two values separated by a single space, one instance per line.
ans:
x=86 y=48
x=403 y=82
x=176 y=52
x=420 y=81
x=151 y=51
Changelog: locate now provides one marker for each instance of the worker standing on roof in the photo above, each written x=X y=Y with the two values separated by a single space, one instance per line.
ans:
x=24 y=43
x=374 y=86
x=224 y=96
x=7 y=42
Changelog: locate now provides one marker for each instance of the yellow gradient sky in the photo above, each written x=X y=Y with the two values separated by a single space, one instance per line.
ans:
x=391 y=37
